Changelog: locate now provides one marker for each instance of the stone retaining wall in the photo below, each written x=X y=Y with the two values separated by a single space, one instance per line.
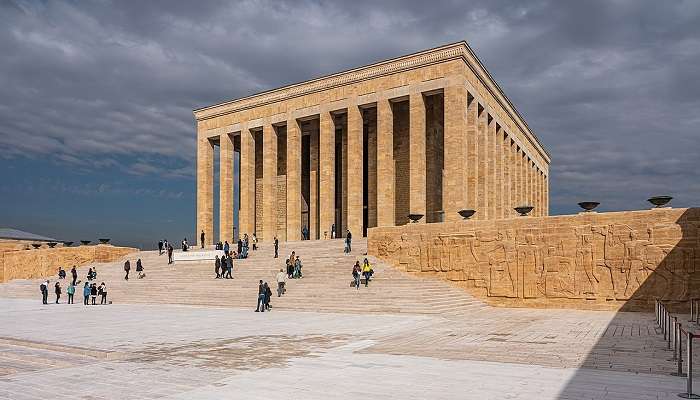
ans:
x=617 y=260
x=30 y=264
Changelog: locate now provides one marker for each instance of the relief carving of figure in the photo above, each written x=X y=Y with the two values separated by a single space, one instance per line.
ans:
x=530 y=262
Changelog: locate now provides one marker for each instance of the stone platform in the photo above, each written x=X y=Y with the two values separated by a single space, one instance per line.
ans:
x=181 y=334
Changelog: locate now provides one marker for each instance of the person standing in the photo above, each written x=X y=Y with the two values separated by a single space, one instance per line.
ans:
x=127 y=268
x=255 y=241
x=93 y=293
x=86 y=293
x=261 y=297
x=268 y=295
x=70 y=291
x=217 y=266
x=57 y=289
x=170 y=254
x=277 y=247
x=201 y=238
x=160 y=247
x=281 y=279
x=44 y=287
x=297 y=268
x=348 y=239
x=356 y=274
x=333 y=231
x=239 y=245
x=226 y=247
x=74 y=274
x=103 y=293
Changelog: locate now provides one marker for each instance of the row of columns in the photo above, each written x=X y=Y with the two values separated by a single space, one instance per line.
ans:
x=484 y=169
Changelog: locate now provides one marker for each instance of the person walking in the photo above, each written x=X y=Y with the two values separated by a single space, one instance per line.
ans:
x=70 y=291
x=86 y=293
x=367 y=272
x=103 y=293
x=268 y=295
x=160 y=247
x=57 y=289
x=277 y=247
x=261 y=297
x=348 y=240
x=201 y=238
x=139 y=269
x=357 y=274
x=281 y=279
x=127 y=268
x=93 y=293
x=74 y=275
x=170 y=254
x=217 y=266
x=229 y=267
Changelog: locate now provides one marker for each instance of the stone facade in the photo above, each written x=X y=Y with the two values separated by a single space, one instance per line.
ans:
x=590 y=260
x=429 y=133
x=32 y=264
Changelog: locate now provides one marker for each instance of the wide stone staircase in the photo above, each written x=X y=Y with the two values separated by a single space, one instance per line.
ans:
x=325 y=286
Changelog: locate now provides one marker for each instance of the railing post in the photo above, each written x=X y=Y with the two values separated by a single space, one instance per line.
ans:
x=691 y=310
x=676 y=327
x=689 y=380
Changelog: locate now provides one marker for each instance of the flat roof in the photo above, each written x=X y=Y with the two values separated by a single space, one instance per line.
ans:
x=16 y=234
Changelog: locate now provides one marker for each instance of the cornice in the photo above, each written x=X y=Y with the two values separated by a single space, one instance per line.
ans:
x=458 y=50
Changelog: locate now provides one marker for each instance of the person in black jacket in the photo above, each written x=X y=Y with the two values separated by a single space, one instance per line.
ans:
x=57 y=289
x=261 y=298
x=268 y=295
x=127 y=268
x=217 y=266
x=93 y=292
x=74 y=274
x=44 y=287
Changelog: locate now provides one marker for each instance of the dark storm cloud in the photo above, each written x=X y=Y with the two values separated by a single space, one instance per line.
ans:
x=610 y=87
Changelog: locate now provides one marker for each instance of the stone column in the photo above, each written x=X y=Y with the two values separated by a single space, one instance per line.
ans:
x=472 y=157
x=491 y=170
x=313 y=178
x=269 y=182
x=517 y=165
x=545 y=195
x=205 y=189
x=326 y=173
x=246 y=217
x=505 y=150
x=293 y=179
x=355 y=170
x=385 y=163
x=226 y=188
x=483 y=211
x=499 y=182
x=456 y=133
x=416 y=155
x=538 y=186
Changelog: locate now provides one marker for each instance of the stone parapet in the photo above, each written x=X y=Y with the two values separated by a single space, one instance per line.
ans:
x=617 y=260
x=31 y=264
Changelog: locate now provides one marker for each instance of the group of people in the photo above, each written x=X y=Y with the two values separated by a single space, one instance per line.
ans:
x=90 y=290
x=139 y=269
x=164 y=246
x=294 y=265
x=223 y=267
x=359 y=271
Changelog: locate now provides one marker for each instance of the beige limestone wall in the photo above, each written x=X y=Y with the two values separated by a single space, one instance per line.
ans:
x=31 y=264
x=618 y=260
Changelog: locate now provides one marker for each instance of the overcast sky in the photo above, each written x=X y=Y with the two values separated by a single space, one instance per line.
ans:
x=96 y=98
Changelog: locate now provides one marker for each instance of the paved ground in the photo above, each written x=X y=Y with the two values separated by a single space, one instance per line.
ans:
x=185 y=352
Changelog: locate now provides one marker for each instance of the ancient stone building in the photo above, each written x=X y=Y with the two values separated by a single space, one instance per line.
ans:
x=429 y=133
